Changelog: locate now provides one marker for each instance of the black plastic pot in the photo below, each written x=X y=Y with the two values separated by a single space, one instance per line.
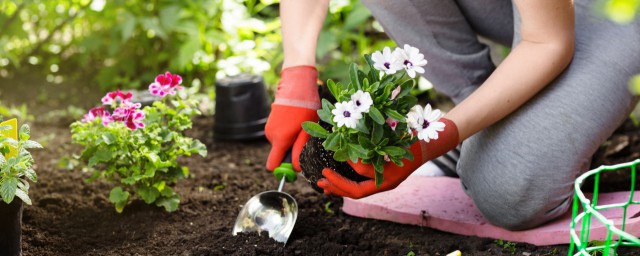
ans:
x=11 y=228
x=242 y=108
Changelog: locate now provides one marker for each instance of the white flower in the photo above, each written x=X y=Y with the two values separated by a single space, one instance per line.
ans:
x=362 y=100
x=411 y=59
x=346 y=114
x=425 y=122
x=386 y=61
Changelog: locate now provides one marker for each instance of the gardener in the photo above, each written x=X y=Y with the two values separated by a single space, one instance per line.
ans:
x=529 y=126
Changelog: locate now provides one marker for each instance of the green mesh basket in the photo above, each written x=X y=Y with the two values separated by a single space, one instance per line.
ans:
x=581 y=244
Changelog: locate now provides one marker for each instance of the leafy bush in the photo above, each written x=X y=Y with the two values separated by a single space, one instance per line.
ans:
x=137 y=149
x=120 y=41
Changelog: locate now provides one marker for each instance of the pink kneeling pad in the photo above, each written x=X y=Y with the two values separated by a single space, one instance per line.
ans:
x=440 y=203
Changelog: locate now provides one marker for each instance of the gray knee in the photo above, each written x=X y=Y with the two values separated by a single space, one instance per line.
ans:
x=515 y=202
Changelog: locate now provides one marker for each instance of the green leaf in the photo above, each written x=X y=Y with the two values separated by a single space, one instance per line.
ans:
x=405 y=88
x=353 y=75
x=326 y=116
x=332 y=142
x=169 y=16
x=379 y=179
x=119 y=198
x=358 y=15
x=314 y=129
x=23 y=195
x=362 y=127
x=377 y=134
x=353 y=155
x=393 y=150
x=31 y=144
x=8 y=188
x=25 y=132
x=374 y=113
x=333 y=88
x=358 y=149
x=108 y=138
x=365 y=142
x=187 y=51
x=374 y=74
x=341 y=155
x=325 y=112
x=148 y=194
x=199 y=148
x=100 y=156
x=394 y=114
x=170 y=204
x=128 y=26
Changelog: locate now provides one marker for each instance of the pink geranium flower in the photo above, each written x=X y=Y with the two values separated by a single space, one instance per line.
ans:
x=166 y=84
x=113 y=97
x=134 y=121
x=93 y=114
x=121 y=114
x=98 y=112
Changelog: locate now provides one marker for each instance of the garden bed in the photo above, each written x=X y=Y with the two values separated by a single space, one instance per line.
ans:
x=71 y=217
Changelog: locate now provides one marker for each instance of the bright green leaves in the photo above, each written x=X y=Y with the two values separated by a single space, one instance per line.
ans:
x=143 y=163
x=315 y=130
x=102 y=155
x=16 y=169
x=119 y=197
x=8 y=187
x=376 y=115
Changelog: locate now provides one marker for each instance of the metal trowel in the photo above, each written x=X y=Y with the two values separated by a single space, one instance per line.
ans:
x=273 y=211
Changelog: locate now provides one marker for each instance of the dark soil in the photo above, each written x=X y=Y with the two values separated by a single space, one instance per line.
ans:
x=71 y=217
x=314 y=158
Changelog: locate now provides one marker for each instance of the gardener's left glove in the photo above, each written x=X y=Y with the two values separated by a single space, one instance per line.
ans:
x=336 y=184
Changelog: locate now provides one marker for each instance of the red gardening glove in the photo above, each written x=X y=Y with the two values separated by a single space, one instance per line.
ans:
x=336 y=184
x=296 y=101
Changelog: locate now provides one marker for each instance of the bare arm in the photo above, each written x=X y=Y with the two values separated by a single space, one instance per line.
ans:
x=546 y=49
x=301 y=24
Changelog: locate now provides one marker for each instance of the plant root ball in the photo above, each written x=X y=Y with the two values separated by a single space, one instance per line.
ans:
x=314 y=158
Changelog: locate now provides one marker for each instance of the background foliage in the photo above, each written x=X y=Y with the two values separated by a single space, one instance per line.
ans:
x=120 y=43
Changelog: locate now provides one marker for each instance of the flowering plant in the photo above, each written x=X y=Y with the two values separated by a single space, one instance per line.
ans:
x=138 y=148
x=375 y=117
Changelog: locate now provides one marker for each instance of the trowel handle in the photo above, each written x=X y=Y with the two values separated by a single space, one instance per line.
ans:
x=285 y=169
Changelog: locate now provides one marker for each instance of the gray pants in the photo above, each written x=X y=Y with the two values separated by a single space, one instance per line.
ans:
x=520 y=171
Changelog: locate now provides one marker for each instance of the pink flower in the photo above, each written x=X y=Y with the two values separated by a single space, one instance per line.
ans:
x=107 y=118
x=392 y=123
x=134 y=121
x=93 y=114
x=122 y=114
x=112 y=97
x=165 y=84
x=98 y=112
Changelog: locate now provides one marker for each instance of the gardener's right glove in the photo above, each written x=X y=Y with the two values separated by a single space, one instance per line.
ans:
x=336 y=184
x=296 y=101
